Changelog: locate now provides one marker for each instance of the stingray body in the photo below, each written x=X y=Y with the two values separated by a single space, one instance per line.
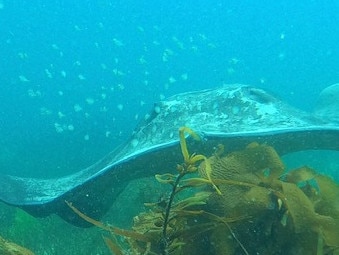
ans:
x=233 y=115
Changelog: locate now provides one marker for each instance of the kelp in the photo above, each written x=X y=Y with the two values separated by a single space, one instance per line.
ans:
x=10 y=248
x=233 y=204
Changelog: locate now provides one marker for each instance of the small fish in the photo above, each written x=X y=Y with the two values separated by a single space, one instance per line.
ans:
x=118 y=42
x=81 y=77
x=23 y=78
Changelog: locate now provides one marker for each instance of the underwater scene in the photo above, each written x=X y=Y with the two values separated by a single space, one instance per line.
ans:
x=168 y=127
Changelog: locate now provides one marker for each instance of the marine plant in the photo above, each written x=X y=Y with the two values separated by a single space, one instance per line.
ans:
x=239 y=203
x=163 y=230
x=10 y=248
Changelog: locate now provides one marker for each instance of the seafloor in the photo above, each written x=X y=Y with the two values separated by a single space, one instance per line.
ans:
x=51 y=235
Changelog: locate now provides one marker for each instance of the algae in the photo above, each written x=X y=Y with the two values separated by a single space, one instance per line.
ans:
x=238 y=203
x=10 y=248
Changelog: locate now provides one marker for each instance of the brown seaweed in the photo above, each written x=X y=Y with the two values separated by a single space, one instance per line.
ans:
x=239 y=202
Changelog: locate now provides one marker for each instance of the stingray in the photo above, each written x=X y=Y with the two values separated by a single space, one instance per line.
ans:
x=232 y=115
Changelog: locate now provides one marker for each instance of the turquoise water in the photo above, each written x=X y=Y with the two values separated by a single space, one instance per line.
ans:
x=77 y=76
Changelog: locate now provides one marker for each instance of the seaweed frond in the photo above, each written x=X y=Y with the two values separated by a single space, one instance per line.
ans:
x=252 y=206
